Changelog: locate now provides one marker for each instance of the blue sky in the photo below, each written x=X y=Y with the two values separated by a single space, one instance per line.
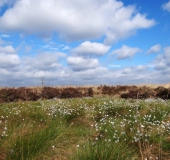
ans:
x=84 y=42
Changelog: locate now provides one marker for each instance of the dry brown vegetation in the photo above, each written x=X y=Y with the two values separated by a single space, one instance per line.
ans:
x=33 y=94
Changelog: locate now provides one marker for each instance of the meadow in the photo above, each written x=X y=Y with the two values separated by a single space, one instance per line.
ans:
x=89 y=128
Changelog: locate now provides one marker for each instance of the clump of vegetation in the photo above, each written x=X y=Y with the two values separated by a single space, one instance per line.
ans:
x=33 y=94
x=85 y=128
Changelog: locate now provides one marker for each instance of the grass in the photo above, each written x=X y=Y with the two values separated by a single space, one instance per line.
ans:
x=86 y=129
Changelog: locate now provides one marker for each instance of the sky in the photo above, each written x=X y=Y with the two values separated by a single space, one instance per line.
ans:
x=91 y=42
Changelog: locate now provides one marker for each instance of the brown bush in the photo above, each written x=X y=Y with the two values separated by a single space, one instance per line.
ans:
x=12 y=94
x=70 y=92
x=162 y=92
x=146 y=92
x=138 y=92
x=107 y=90
x=50 y=93
x=134 y=92
x=90 y=92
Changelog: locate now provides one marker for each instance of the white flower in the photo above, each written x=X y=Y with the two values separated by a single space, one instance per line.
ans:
x=142 y=126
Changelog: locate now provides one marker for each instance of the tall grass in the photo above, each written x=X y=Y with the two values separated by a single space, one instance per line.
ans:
x=105 y=151
x=87 y=128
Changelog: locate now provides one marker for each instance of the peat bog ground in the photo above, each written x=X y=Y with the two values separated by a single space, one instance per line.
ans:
x=87 y=123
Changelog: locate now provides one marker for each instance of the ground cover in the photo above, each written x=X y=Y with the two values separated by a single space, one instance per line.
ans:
x=44 y=92
x=85 y=128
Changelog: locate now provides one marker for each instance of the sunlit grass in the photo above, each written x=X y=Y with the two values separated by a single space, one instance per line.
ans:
x=85 y=128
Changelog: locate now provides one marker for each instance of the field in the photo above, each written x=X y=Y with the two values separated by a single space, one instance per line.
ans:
x=87 y=128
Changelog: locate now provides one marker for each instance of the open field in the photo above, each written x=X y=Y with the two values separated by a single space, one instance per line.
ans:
x=85 y=128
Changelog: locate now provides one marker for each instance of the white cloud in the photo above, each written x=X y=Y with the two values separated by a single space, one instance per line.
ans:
x=80 y=63
x=43 y=62
x=114 y=65
x=167 y=53
x=166 y=6
x=125 y=52
x=162 y=61
x=7 y=50
x=71 y=20
x=82 y=71
x=154 y=49
x=89 y=49
x=125 y=25
x=8 y=61
x=8 y=57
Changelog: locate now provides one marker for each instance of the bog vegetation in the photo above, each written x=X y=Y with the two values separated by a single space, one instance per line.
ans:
x=89 y=128
x=33 y=94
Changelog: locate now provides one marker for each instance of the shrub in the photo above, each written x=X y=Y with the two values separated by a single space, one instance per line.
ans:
x=50 y=93
x=70 y=92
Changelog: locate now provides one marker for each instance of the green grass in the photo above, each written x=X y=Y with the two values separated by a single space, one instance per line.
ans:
x=104 y=151
x=87 y=128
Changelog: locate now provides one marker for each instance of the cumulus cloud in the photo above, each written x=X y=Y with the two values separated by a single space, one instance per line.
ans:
x=7 y=50
x=125 y=52
x=136 y=70
x=88 y=48
x=81 y=71
x=166 y=53
x=154 y=49
x=166 y=6
x=71 y=20
x=162 y=61
x=43 y=61
x=80 y=63
x=31 y=69
x=8 y=57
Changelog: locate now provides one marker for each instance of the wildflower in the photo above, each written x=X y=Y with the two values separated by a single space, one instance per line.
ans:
x=117 y=141
x=142 y=126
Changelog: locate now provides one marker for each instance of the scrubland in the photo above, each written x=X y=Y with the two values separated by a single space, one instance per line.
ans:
x=36 y=93
x=87 y=128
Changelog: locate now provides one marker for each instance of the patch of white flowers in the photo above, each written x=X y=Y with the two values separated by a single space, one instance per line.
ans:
x=114 y=119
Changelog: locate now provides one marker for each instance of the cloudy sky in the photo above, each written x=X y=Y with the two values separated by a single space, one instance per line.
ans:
x=91 y=42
